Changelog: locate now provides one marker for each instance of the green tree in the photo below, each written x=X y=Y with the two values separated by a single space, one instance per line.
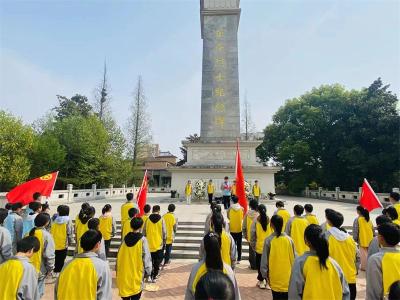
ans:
x=335 y=137
x=76 y=105
x=16 y=143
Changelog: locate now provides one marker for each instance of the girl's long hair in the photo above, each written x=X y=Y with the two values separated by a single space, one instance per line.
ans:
x=363 y=212
x=314 y=235
x=106 y=208
x=86 y=214
x=277 y=222
x=212 y=247
x=263 y=218
x=41 y=220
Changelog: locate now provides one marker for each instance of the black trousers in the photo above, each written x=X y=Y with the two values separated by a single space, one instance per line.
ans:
x=237 y=236
x=156 y=259
x=107 y=244
x=59 y=260
x=353 y=291
x=252 y=258
x=227 y=201
x=258 y=263
x=167 y=255
x=280 y=295
x=210 y=198
x=133 y=297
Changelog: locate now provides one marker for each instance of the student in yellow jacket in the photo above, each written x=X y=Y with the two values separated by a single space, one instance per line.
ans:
x=315 y=275
x=62 y=232
x=363 y=233
x=81 y=225
x=282 y=211
x=311 y=218
x=260 y=230
x=86 y=276
x=228 y=247
x=18 y=277
x=171 y=223
x=212 y=260
x=188 y=192
x=295 y=228
x=44 y=259
x=384 y=267
x=233 y=188
x=343 y=250
x=256 y=190
x=107 y=227
x=277 y=259
x=248 y=220
x=394 y=199
x=94 y=224
x=210 y=191
x=147 y=212
x=391 y=212
x=126 y=226
x=235 y=217
x=133 y=262
x=126 y=207
x=156 y=233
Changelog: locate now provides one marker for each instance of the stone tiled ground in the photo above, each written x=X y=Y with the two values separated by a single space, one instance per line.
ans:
x=172 y=283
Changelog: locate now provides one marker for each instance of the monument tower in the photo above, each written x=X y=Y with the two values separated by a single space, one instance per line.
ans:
x=213 y=157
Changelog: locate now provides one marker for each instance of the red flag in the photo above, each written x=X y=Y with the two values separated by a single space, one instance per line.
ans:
x=23 y=193
x=142 y=194
x=240 y=191
x=369 y=200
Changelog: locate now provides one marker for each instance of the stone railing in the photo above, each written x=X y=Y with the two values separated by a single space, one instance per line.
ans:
x=343 y=196
x=70 y=195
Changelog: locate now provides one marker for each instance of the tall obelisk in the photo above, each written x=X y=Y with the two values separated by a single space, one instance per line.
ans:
x=213 y=156
x=220 y=109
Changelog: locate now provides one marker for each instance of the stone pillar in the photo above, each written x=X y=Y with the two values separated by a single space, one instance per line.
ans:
x=124 y=189
x=111 y=187
x=94 y=190
x=307 y=192
x=70 y=192
x=337 y=191
x=319 y=192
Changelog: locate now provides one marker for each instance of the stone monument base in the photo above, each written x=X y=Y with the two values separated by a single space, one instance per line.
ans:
x=216 y=159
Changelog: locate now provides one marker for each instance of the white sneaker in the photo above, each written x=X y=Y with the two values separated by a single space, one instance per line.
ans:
x=267 y=286
x=259 y=283
x=263 y=285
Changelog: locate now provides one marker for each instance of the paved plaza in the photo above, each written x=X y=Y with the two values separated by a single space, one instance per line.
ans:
x=173 y=280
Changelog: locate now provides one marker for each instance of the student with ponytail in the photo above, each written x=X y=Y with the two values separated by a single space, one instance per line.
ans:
x=277 y=259
x=81 y=224
x=212 y=261
x=228 y=246
x=363 y=233
x=107 y=226
x=44 y=259
x=260 y=230
x=315 y=275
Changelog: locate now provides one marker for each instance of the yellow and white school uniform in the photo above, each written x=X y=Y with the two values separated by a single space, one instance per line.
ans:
x=233 y=189
x=248 y=219
x=309 y=280
x=285 y=216
x=199 y=270
x=312 y=219
x=235 y=216
x=84 y=277
x=382 y=271
x=155 y=232
x=44 y=259
x=363 y=233
x=170 y=224
x=62 y=232
x=133 y=264
x=210 y=188
x=80 y=229
x=256 y=191
x=343 y=249
x=125 y=209
x=277 y=261
x=18 y=279
x=126 y=227
x=107 y=226
x=228 y=249
x=295 y=229
x=258 y=236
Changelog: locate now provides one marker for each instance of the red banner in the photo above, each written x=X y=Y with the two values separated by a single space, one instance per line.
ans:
x=369 y=200
x=240 y=190
x=23 y=193
x=142 y=194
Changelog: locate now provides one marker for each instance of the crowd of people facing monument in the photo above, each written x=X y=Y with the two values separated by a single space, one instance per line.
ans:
x=294 y=256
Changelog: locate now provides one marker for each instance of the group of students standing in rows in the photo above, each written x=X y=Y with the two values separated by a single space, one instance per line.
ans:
x=296 y=257
x=28 y=260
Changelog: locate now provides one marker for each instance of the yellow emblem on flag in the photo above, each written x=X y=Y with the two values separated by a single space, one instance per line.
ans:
x=46 y=177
